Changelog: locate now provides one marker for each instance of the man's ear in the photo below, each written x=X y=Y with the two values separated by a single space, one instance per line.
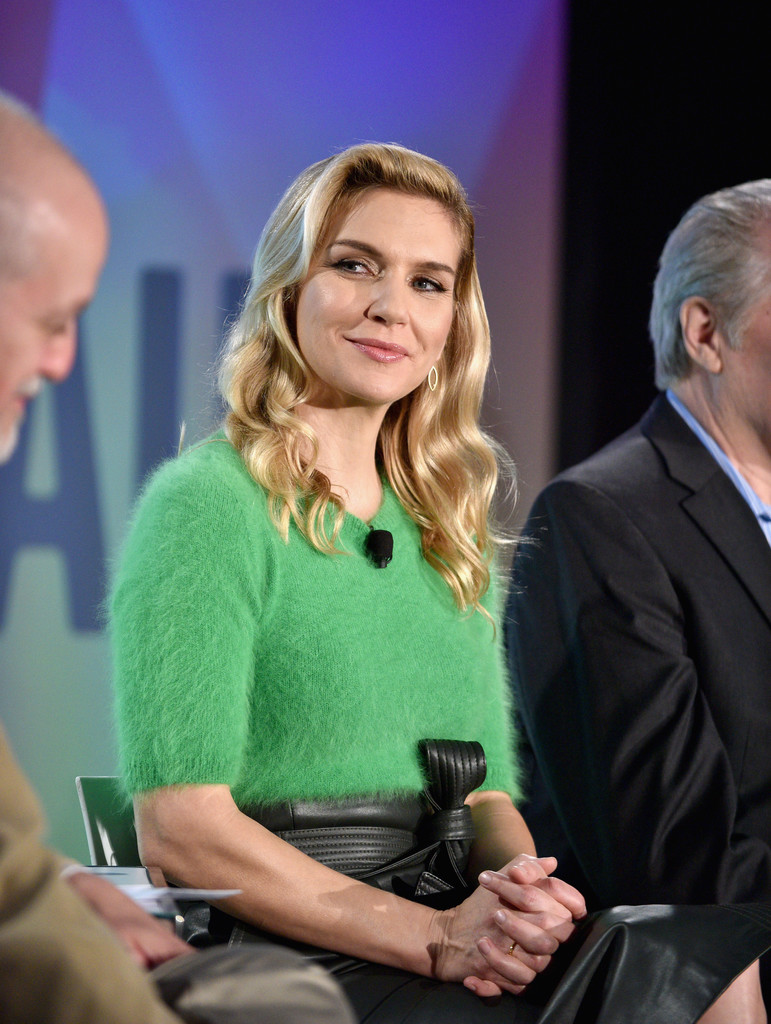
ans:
x=702 y=335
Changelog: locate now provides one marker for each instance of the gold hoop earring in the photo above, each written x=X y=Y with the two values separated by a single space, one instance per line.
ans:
x=433 y=378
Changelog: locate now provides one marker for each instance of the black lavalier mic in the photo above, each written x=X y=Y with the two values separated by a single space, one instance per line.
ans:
x=380 y=547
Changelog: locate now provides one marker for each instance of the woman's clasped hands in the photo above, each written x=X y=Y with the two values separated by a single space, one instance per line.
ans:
x=506 y=932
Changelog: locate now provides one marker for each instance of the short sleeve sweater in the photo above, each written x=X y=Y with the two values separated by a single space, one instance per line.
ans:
x=281 y=671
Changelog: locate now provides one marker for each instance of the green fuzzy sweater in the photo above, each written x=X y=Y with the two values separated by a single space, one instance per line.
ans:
x=280 y=671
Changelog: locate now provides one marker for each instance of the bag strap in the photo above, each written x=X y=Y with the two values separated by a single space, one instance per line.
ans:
x=454 y=768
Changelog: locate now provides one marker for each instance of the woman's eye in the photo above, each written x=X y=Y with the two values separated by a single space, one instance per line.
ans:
x=428 y=284
x=351 y=265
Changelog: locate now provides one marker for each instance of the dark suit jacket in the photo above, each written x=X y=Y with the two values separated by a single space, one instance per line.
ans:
x=639 y=638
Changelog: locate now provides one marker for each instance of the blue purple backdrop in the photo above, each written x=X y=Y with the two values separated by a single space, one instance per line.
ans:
x=193 y=116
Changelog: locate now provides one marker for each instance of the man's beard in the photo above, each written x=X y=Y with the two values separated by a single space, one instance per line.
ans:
x=30 y=388
x=8 y=441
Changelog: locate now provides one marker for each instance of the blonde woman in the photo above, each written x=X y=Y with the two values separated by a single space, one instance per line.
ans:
x=309 y=596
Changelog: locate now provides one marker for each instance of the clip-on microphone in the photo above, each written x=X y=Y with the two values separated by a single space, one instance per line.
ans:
x=380 y=547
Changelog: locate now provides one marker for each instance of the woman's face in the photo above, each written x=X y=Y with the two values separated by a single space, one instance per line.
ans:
x=375 y=310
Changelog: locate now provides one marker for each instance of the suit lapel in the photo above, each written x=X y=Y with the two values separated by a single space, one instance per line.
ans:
x=712 y=501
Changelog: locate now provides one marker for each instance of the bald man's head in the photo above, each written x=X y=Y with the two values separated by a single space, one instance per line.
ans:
x=31 y=159
x=53 y=241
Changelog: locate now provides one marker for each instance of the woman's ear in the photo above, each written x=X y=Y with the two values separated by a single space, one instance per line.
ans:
x=702 y=335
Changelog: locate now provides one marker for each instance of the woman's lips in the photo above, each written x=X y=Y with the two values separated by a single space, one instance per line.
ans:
x=380 y=351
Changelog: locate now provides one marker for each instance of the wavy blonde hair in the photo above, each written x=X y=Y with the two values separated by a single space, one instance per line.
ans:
x=441 y=466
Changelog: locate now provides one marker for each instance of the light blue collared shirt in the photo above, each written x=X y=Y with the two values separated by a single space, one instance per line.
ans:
x=761 y=510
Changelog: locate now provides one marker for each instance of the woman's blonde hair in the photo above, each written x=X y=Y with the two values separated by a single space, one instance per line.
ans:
x=439 y=463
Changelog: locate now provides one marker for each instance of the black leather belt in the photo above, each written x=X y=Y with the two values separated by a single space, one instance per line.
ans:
x=352 y=836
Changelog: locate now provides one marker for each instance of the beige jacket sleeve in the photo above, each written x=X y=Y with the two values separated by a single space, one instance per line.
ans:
x=59 y=964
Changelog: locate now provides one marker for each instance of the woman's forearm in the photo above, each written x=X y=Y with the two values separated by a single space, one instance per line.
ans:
x=501 y=832
x=198 y=837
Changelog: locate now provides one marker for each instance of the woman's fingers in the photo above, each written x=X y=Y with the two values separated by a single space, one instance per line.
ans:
x=487 y=989
x=520 y=951
x=564 y=894
x=527 y=870
x=530 y=869
x=511 y=967
x=531 y=938
x=539 y=897
x=529 y=898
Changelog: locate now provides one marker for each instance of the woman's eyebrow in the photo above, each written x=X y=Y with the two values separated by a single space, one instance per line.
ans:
x=352 y=243
x=370 y=250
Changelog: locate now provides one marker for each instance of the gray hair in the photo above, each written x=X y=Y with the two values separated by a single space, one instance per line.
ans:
x=713 y=253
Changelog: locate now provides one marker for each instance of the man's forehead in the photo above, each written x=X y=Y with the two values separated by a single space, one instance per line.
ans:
x=45 y=217
x=27 y=223
x=60 y=276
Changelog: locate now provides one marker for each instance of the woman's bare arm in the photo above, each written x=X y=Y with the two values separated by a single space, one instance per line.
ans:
x=198 y=837
x=501 y=832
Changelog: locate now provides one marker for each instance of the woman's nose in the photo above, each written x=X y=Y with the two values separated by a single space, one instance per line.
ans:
x=388 y=302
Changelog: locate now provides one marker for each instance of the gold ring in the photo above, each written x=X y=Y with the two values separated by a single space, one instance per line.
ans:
x=510 y=950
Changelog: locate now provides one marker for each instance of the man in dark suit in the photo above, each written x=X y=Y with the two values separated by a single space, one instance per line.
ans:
x=639 y=619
